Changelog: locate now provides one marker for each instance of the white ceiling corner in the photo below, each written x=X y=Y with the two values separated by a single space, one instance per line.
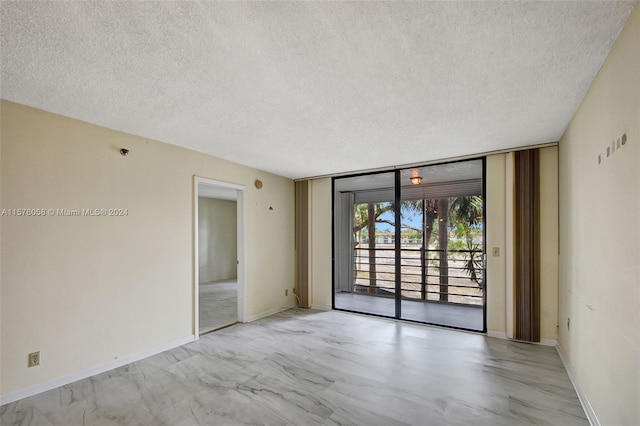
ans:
x=206 y=190
x=311 y=88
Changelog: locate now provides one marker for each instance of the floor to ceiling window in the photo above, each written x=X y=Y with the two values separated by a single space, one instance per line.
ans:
x=409 y=244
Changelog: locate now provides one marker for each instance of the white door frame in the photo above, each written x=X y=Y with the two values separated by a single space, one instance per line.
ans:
x=197 y=180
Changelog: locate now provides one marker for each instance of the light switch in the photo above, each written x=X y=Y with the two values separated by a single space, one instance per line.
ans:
x=496 y=251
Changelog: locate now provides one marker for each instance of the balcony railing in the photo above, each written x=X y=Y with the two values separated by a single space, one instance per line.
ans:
x=423 y=277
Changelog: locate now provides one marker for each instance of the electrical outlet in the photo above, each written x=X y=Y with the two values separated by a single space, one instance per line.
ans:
x=33 y=359
x=286 y=291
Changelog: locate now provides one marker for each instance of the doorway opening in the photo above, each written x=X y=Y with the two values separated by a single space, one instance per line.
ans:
x=219 y=254
x=409 y=244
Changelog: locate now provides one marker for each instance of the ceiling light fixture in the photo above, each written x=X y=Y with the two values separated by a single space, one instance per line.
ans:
x=416 y=180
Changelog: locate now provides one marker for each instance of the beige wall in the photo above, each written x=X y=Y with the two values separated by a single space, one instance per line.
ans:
x=320 y=267
x=600 y=236
x=217 y=239
x=549 y=243
x=88 y=290
x=495 y=228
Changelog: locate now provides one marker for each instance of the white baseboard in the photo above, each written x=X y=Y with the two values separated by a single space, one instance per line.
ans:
x=92 y=371
x=582 y=396
x=503 y=335
x=497 y=334
x=268 y=313
x=320 y=307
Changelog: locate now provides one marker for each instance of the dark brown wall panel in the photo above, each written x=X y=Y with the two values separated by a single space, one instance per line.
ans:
x=527 y=245
x=302 y=242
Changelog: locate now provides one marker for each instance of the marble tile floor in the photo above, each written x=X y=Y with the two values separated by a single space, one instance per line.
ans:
x=431 y=312
x=218 y=304
x=305 y=367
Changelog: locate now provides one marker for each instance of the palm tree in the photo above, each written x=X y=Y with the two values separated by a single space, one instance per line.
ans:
x=466 y=212
x=429 y=210
x=371 y=226
x=443 y=246
x=467 y=209
x=366 y=216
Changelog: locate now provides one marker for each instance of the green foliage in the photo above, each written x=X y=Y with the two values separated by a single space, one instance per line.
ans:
x=415 y=235
x=466 y=210
x=466 y=216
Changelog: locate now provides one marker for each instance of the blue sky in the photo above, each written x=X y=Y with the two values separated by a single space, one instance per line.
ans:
x=414 y=220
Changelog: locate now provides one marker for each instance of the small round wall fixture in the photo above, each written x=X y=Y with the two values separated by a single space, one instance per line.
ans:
x=416 y=180
x=258 y=183
x=124 y=152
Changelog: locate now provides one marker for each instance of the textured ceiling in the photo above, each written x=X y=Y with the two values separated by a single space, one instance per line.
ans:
x=312 y=88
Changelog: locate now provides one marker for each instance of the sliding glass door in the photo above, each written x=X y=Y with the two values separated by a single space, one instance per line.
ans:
x=409 y=244
x=364 y=255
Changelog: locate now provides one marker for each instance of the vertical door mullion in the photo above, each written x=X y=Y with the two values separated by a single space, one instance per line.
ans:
x=398 y=244
x=484 y=245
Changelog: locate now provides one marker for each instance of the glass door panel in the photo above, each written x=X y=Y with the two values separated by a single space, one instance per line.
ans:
x=442 y=245
x=364 y=238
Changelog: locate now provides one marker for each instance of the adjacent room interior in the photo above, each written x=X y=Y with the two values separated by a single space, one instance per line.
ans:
x=320 y=213
x=217 y=257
